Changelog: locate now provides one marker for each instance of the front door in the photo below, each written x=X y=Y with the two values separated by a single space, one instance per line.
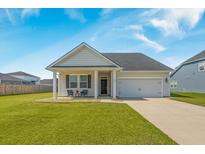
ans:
x=103 y=86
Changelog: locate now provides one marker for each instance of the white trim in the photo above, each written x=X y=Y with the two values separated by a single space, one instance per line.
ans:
x=74 y=50
x=111 y=84
x=114 y=82
x=54 y=86
x=59 y=87
x=78 y=81
x=201 y=64
x=95 y=84
x=193 y=61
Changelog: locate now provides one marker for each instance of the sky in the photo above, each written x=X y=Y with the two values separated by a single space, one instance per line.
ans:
x=31 y=39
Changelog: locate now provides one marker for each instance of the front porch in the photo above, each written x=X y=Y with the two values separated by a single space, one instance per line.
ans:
x=85 y=83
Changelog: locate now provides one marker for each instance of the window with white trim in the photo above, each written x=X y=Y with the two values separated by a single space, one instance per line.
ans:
x=83 y=81
x=201 y=66
x=73 y=81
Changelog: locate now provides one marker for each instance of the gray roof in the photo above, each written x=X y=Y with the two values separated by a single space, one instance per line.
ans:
x=8 y=77
x=136 y=62
x=22 y=73
x=197 y=57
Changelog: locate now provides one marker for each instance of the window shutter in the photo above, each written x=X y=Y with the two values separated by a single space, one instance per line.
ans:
x=67 y=81
x=89 y=81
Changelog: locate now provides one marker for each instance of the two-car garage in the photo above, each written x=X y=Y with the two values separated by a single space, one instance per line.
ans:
x=140 y=87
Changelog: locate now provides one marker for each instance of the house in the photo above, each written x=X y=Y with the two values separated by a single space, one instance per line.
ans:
x=190 y=75
x=31 y=79
x=47 y=82
x=122 y=75
x=7 y=79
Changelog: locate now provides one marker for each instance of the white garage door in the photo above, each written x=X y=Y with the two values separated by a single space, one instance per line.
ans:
x=139 y=88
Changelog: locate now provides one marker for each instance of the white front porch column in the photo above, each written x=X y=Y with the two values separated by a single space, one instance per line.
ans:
x=59 y=85
x=54 y=85
x=96 y=84
x=114 y=80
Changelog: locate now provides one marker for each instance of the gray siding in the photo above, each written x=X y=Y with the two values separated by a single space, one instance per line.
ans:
x=189 y=79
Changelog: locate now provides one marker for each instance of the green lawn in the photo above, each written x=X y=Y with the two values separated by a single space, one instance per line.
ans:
x=25 y=122
x=188 y=97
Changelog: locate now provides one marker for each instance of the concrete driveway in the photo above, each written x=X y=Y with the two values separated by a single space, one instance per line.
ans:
x=183 y=122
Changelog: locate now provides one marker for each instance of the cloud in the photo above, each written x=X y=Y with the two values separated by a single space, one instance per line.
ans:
x=14 y=16
x=94 y=37
x=135 y=27
x=150 y=43
x=149 y=12
x=9 y=15
x=29 y=12
x=76 y=14
x=175 y=22
x=132 y=27
x=106 y=11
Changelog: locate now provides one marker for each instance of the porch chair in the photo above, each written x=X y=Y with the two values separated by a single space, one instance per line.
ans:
x=70 y=92
x=84 y=92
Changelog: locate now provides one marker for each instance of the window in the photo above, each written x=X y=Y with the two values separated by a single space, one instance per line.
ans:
x=73 y=81
x=84 y=81
x=201 y=66
x=173 y=84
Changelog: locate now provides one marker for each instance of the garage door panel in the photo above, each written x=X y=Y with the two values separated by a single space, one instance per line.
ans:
x=140 y=87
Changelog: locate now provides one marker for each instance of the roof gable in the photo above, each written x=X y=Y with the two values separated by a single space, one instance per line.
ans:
x=83 y=56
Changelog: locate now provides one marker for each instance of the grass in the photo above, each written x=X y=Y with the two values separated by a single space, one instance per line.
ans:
x=188 y=97
x=25 y=122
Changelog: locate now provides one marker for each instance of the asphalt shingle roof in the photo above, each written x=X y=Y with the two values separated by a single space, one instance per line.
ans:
x=199 y=56
x=8 y=77
x=136 y=62
x=22 y=73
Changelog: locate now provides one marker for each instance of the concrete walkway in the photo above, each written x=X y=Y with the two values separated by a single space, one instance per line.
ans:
x=183 y=122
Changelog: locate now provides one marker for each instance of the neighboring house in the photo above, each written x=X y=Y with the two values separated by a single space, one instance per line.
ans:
x=123 y=75
x=7 y=79
x=31 y=79
x=190 y=75
x=47 y=82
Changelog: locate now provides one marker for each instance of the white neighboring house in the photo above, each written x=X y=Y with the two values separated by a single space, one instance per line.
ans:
x=7 y=79
x=31 y=79
x=122 y=75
